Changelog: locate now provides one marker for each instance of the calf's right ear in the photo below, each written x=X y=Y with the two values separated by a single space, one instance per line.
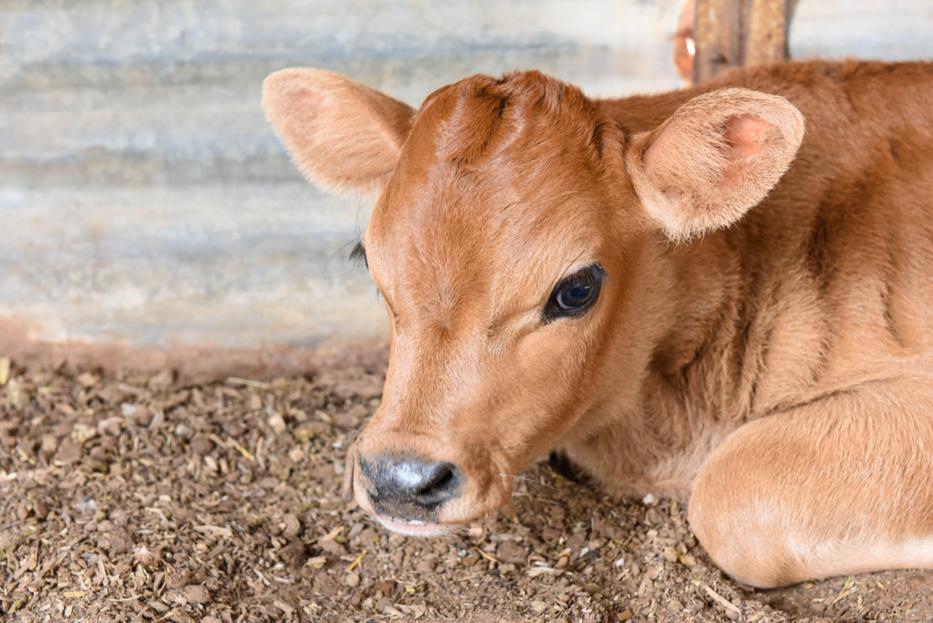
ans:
x=344 y=136
x=715 y=158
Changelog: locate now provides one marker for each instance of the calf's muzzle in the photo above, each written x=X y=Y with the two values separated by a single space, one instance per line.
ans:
x=409 y=487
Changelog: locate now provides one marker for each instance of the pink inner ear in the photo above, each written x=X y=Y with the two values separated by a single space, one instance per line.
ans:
x=746 y=135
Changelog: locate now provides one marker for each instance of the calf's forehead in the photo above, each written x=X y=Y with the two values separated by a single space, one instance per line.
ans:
x=492 y=178
x=463 y=229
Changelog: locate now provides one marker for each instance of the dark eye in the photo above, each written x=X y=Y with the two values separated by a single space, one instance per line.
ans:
x=575 y=294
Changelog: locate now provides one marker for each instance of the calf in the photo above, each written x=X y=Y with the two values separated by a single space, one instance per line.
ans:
x=686 y=294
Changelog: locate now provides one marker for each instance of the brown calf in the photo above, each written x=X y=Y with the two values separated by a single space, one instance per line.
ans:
x=687 y=294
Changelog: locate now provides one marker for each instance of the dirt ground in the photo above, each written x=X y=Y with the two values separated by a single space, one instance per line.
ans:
x=137 y=498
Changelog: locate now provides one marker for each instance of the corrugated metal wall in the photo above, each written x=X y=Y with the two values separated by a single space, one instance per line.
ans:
x=144 y=199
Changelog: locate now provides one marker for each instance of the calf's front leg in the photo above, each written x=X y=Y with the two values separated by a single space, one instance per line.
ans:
x=840 y=485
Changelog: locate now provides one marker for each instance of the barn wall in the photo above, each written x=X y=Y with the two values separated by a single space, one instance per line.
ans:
x=144 y=200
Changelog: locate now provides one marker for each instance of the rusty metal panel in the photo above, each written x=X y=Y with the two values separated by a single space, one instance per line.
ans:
x=737 y=33
x=717 y=33
x=764 y=29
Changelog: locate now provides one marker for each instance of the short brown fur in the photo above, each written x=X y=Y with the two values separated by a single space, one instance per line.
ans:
x=763 y=344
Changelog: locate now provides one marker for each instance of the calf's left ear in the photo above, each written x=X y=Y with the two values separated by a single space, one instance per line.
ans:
x=716 y=157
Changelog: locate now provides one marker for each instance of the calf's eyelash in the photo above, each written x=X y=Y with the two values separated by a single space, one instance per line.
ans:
x=358 y=254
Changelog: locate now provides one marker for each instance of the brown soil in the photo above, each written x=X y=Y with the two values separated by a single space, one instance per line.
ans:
x=135 y=498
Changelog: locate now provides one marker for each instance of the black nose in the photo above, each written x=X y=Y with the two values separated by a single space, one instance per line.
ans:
x=399 y=482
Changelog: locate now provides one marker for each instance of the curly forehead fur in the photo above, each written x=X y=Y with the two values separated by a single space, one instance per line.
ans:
x=480 y=117
x=497 y=163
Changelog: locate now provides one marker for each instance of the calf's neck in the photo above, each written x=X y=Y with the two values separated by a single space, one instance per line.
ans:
x=723 y=294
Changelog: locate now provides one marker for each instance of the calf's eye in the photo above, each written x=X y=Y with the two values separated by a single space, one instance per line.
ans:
x=575 y=294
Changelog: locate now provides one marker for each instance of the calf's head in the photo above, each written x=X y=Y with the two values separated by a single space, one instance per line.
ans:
x=511 y=215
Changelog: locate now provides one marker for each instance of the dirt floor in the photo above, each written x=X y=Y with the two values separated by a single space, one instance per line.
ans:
x=140 y=499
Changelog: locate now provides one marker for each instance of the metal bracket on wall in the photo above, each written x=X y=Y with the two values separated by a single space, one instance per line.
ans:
x=737 y=33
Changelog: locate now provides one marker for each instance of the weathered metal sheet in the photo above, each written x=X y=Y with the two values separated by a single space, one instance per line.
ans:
x=144 y=200
x=872 y=29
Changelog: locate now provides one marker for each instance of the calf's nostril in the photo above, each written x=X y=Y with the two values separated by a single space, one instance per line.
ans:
x=411 y=481
x=437 y=477
x=441 y=482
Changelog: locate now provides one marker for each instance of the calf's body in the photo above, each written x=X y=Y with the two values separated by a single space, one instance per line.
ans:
x=788 y=385
x=749 y=322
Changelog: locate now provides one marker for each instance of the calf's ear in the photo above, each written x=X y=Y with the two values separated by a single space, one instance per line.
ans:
x=713 y=159
x=344 y=136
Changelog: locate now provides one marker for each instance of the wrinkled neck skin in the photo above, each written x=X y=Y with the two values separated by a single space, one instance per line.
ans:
x=640 y=436
x=817 y=289
x=673 y=385
x=643 y=434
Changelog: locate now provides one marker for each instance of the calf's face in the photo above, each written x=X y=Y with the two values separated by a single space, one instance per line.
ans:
x=509 y=215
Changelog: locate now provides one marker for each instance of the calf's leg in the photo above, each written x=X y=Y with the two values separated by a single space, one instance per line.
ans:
x=840 y=485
